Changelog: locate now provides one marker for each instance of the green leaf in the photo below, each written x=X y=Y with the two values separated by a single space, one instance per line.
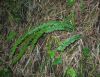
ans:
x=23 y=49
x=51 y=54
x=68 y=41
x=71 y=72
x=70 y=2
x=57 y=61
x=86 y=52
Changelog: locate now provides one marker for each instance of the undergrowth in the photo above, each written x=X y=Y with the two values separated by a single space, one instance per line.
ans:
x=32 y=37
x=72 y=50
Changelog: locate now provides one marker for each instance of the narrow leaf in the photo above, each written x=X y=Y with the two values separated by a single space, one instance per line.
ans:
x=68 y=41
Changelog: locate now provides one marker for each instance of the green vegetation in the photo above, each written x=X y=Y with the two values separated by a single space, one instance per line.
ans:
x=70 y=72
x=49 y=38
x=70 y=2
x=86 y=52
x=11 y=35
x=5 y=71
x=67 y=42
x=35 y=34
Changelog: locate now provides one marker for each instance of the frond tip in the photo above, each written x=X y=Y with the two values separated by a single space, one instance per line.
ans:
x=68 y=41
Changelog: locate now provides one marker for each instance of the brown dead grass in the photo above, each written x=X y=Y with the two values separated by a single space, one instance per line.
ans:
x=45 y=10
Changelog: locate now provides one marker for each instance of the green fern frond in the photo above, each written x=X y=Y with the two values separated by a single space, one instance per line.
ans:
x=34 y=35
x=67 y=42
x=24 y=47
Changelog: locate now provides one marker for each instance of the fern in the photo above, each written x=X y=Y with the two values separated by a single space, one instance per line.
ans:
x=62 y=46
x=33 y=36
x=44 y=28
x=67 y=42
x=24 y=47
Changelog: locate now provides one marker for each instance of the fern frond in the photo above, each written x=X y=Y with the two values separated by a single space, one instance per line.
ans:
x=36 y=33
x=68 y=42
x=24 y=47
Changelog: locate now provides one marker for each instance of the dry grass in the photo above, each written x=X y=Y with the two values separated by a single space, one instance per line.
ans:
x=37 y=64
